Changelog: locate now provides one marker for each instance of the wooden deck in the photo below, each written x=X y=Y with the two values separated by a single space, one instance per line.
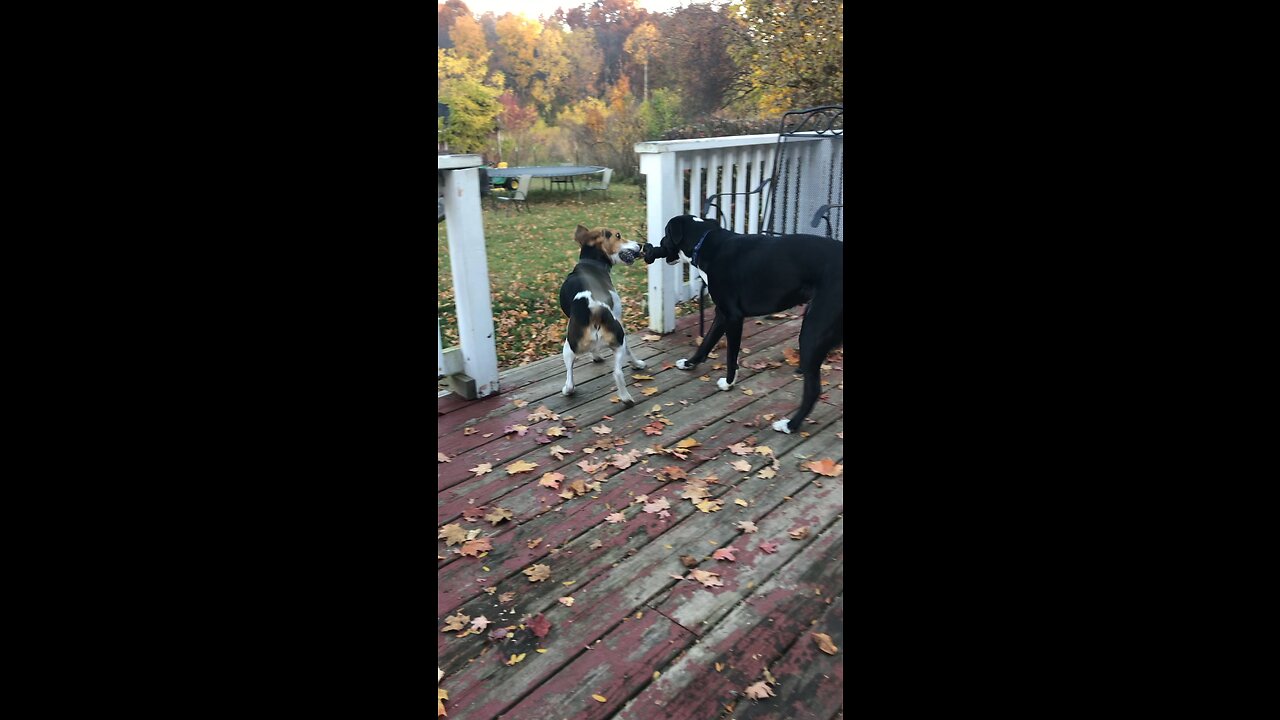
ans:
x=636 y=642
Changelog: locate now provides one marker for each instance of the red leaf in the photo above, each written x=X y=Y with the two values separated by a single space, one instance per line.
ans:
x=539 y=625
x=769 y=546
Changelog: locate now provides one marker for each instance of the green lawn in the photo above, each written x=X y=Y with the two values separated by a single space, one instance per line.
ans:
x=529 y=255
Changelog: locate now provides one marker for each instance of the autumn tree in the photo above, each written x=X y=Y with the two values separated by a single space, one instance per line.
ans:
x=468 y=39
x=613 y=22
x=791 y=53
x=472 y=100
x=694 y=58
x=533 y=58
x=515 y=120
x=586 y=61
x=640 y=45
x=447 y=14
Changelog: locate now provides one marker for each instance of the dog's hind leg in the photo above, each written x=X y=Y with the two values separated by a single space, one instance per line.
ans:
x=568 y=354
x=814 y=346
x=619 y=354
x=734 y=332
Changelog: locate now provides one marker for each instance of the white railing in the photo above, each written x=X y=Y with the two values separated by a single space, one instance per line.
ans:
x=472 y=367
x=733 y=164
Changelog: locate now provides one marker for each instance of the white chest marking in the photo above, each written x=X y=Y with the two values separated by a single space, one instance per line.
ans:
x=705 y=280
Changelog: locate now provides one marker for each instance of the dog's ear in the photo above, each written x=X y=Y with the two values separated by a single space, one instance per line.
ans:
x=583 y=235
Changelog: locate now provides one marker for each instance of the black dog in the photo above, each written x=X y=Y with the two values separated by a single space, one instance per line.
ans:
x=593 y=307
x=753 y=275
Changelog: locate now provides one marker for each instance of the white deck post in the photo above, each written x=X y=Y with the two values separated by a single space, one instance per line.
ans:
x=665 y=202
x=465 y=226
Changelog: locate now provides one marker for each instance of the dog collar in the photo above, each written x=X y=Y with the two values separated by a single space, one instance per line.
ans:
x=694 y=260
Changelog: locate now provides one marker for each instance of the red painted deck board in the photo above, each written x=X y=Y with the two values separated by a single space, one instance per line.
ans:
x=629 y=617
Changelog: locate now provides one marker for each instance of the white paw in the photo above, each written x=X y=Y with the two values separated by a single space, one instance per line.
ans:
x=637 y=364
x=567 y=390
x=684 y=364
x=783 y=425
x=723 y=385
x=626 y=400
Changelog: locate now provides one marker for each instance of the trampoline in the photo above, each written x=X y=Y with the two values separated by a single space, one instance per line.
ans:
x=558 y=174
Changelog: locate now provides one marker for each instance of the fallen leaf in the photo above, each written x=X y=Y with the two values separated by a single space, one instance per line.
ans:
x=473 y=513
x=651 y=337
x=514 y=659
x=642 y=377
x=519 y=403
x=566 y=601
x=590 y=467
x=747 y=526
x=764 y=450
x=551 y=480
x=578 y=486
x=709 y=579
x=534 y=543
x=453 y=623
x=792 y=356
x=725 y=553
x=475 y=547
x=498 y=515
x=443 y=695
x=615 y=518
x=649 y=391
x=657 y=506
x=800 y=533
x=688 y=443
x=538 y=572
x=768 y=473
x=769 y=546
x=480 y=623
x=539 y=625
x=742 y=502
x=719 y=667
x=709 y=506
x=742 y=465
x=452 y=534
x=558 y=451
x=740 y=449
x=653 y=429
x=748 y=391
x=759 y=691
x=555 y=431
x=520 y=466
x=689 y=561
x=481 y=469
x=506 y=597
x=674 y=473
x=601 y=430
x=824 y=643
x=441 y=457
x=599 y=698
x=826 y=467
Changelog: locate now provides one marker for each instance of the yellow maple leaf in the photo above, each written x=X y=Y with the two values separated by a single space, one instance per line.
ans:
x=520 y=466
x=642 y=377
x=649 y=391
x=516 y=658
x=600 y=698
x=441 y=696
x=688 y=443
x=481 y=469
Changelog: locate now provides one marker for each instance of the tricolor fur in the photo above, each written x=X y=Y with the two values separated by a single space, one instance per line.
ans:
x=594 y=309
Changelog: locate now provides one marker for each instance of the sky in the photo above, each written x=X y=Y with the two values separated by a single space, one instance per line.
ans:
x=534 y=8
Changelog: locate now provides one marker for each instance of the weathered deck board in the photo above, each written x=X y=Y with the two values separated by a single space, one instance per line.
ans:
x=630 y=617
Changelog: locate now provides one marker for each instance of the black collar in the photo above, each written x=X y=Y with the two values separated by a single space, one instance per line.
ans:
x=602 y=264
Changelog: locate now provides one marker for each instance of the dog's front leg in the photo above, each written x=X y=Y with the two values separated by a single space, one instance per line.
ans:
x=708 y=343
x=568 y=354
x=734 y=333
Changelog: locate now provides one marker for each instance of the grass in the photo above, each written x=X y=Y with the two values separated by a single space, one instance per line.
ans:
x=529 y=255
